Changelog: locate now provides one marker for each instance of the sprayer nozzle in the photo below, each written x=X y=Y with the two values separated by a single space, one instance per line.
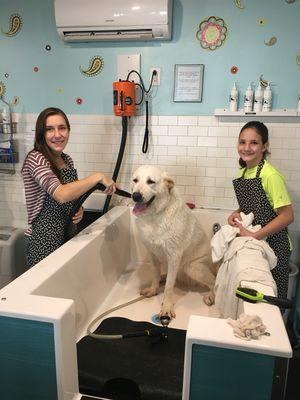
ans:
x=154 y=72
x=165 y=320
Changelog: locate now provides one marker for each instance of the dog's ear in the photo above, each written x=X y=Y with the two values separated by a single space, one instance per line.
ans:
x=168 y=181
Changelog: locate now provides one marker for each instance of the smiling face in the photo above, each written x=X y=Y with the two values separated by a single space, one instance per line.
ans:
x=250 y=147
x=56 y=133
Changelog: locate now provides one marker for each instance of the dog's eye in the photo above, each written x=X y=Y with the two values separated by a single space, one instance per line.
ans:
x=150 y=181
x=134 y=180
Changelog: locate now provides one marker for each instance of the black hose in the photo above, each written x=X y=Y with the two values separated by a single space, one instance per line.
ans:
x=119 y=160
x=70 y=228
x=146 y=135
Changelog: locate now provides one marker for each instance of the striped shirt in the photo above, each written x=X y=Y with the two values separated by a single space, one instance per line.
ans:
x=39 y=180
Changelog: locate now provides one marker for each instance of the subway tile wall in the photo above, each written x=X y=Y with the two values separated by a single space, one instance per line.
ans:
x=198 y=152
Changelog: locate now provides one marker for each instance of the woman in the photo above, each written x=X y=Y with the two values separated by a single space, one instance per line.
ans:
x=261 y=189
x=51 y=185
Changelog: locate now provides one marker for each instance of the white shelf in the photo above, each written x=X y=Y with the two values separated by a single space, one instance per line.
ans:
x=283 y=112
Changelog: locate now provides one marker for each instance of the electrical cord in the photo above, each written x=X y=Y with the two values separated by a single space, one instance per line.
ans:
x=146 y=135
x=146 y=91
x=142 y=82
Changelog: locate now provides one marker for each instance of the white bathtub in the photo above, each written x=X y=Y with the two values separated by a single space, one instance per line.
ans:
x=46 y=311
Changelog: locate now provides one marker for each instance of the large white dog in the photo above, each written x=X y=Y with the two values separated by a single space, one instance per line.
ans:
x=173 y=235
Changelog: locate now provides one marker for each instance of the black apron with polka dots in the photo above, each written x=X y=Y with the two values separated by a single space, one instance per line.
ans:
x=251 y=197
x=48 y=228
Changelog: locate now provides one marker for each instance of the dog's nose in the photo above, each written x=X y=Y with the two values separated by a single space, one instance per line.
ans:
x=137 y=197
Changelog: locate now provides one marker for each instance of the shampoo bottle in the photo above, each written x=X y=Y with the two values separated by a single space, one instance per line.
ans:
x=248 y=99
x=267 y=103
x=234 y=98
x=1 y=122
x=5 y=120
x=258 y=98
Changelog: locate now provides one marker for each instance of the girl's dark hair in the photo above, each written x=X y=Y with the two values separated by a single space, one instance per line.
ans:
x=262 y=131
x=40 y=131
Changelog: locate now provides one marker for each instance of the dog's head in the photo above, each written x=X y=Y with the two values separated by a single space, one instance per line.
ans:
x=151 y=189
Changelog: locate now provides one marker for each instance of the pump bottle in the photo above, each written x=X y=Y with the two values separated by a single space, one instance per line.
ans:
x=258 y=98
x=248 y=99
x=267 y=103
x=5 y=120
x=234 y=98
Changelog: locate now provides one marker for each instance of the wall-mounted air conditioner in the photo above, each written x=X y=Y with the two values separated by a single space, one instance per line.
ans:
x=113 y=20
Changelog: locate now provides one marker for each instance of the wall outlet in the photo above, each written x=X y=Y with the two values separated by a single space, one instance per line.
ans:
x=156 y=78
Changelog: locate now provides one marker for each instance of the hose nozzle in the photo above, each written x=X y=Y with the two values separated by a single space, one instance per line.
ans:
x=165 y=320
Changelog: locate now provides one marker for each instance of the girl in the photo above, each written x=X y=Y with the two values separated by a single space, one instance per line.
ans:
x=51 y=184
x=261 y=189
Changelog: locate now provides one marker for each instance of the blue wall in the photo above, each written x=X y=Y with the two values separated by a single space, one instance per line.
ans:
x=59 y=69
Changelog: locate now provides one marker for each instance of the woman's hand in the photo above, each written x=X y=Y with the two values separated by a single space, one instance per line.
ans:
x=110 y=185
x=78 y=216
x=232 y=217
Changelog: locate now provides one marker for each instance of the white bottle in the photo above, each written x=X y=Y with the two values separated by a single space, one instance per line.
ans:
x=258 y=98
x=1 y=121
x=234 y=98
x=248 y=99
x=267 y=103
x=5 y=121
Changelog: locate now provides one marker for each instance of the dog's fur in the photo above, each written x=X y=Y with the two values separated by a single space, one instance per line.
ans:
x=172 y=234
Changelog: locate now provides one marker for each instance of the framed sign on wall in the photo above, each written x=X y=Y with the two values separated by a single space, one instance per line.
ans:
x=188 y=82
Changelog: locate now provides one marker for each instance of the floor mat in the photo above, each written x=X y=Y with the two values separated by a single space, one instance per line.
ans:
x=141 y=368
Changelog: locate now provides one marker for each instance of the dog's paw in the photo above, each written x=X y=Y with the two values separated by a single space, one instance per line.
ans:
x=167 y=311
x=209 y=298
x=149 y=292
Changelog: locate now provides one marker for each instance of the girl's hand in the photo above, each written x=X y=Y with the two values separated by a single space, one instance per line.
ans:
x=78 y=216
x=244 y=231
x=232 y=217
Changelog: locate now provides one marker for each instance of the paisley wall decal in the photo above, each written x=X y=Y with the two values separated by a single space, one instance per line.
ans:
x=2 y=89
x=298 y=59
x=15 y=101
x=212 y=33
x=263 y=82
x=239 y=4
x=15 y=25
x=271 y=41
x=95 y=67
x=290 y=1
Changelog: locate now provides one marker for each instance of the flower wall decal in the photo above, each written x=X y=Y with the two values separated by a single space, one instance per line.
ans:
x=212 y=33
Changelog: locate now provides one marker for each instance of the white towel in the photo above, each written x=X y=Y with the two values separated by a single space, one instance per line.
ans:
x=221 y=240
x=243 y=258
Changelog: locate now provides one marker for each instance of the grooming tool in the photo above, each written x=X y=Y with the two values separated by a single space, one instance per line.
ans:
x=254 y=296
